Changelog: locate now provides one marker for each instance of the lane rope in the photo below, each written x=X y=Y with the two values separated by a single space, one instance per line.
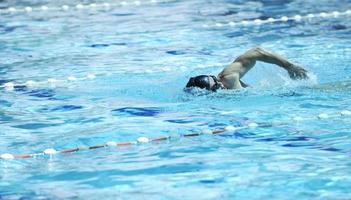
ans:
x=78 y=7
x=53 y=82
x=145 y=140
x=283 y=19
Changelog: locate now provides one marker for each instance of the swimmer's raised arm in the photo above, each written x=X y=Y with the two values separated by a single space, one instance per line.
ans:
x=231 y=75
x=260 y=54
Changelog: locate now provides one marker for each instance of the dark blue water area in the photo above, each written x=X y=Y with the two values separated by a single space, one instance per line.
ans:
x=61 y=108
x=238 y=135
x=104 y=45
x=85 y=120
x=20 y=88
x=332 y=149
x=339 y=27
x=17 y=196
x=176 y=52
x=137 y=111
x=212 y=181
x=42 y=93
x=34 y=126
x=3 y=81
x=311 y=145
x=5 y=118
x=180 y=121
x=123 y=14
x=8 y=29
x=287 y=139
x=317 y=106
x=4 y=103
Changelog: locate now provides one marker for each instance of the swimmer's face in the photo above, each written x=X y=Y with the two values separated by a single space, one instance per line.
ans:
x=208 y=82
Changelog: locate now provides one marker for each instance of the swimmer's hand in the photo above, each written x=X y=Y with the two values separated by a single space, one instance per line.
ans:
x=297 y=72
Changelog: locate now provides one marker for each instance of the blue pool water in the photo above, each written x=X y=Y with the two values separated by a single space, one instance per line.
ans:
x=142 y=56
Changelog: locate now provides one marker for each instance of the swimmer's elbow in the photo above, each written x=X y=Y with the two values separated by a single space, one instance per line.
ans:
x=257 y=49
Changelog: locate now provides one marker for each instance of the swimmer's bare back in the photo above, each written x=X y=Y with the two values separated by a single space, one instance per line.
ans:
x=231 y=75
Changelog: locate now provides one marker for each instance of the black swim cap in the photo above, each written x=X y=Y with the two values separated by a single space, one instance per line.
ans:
x=203 y=82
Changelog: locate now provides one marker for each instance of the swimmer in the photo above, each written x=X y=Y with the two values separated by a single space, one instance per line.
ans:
x=230 y=76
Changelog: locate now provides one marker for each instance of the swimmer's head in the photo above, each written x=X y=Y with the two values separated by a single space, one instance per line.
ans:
x=208 y=82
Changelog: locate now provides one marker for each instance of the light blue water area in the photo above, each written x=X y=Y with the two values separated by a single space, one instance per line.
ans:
x=142 y=58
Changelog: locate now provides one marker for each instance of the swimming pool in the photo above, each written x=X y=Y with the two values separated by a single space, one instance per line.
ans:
x=74 y=76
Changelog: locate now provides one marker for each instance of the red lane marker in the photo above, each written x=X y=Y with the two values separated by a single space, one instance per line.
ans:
x=125 y=143
x=97 y=147
x=69 y=150
x=160 y=139
x=192 y=135
x=23 y=156
x=120 y=144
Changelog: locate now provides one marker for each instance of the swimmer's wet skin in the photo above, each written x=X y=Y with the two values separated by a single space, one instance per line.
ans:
x=230 y=76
